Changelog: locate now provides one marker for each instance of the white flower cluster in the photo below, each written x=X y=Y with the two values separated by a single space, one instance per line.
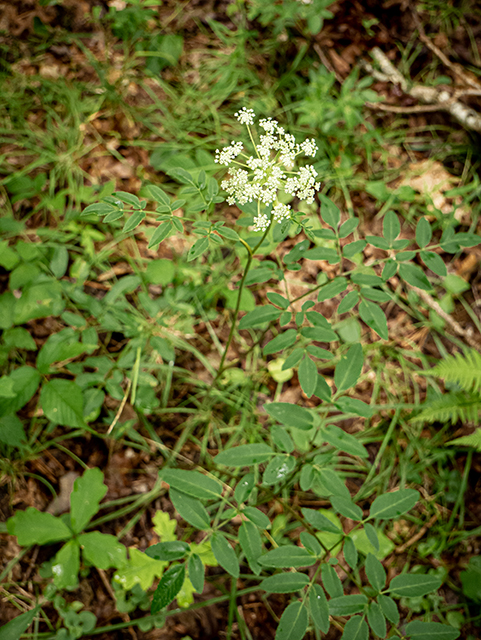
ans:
x=259 y=177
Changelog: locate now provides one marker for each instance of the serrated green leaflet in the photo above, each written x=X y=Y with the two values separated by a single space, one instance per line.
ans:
x=193 y=483
x=377 y=620
x=196 y=572
x=392 y=505
x=346 y=508
x=63 y=403
x=251 y=543
x=169 y=586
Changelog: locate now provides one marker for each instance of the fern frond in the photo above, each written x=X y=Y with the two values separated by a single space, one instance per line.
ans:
x=451 y=407
x=463 y=369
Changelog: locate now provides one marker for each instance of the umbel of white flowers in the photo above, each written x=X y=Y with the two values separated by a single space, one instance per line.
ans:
x=260 y=177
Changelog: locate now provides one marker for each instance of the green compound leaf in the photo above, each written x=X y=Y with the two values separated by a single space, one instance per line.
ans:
x=290 y=415
x=293 y=622
x=394 y=504
x=66 y=566
x=356 y=629
x=278 y=300
x=417 y=630
x=287 y=556
x=196 y=572
x=377 y=620
x=319 y=608
x=128 y=198
x=134 y=221
x=414 y=275
x=160 y=234
x=349 y=368
x=169 y=586
x=62 y=402
x=198 y=248
x=329 y=212
x=391 y=227
x=280 y=342
x=16 y=627
x=193 y=483
x=344 y=441
x=87 y=493
x=259 y=316
x=284 y=583
x=278 y=469
x=350 y=552
x=190 y=509
x=332 y=289
x=35 y=527
x=308 y=376
x=424 y=232
x=319 y=521
x=347 y=605
x=414 y=585
x=158 y=194
x=251 y=544
x=225 y=554
x=102 y=550
x=346 y=508
x=389 y=608
x=375 y=572
x=348 y=302
x=374 y=317
x=245 y=455
x=332 y=583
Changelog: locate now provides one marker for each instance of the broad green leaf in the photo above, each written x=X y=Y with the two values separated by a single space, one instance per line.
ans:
x=16 y=627
x=35 y=527
x=198 y=248
x=88 y=491
x=319 y=608
x=348 y=369
x=320 y=334
x=424 y=232
x=229 y=234
x=371 y=534
x=434 y=262
x=25 y=383
x=332 y=289
x=356 y=629
x=278 y=300
x=349 y=250
x=290 y=414
x=353 y=405
x=134 y=221
x=293 y=622
x=282 y=439
x=140 y=569
x=160 y=234
x=374 y=317
x=244 y=487
x=280 y=342
x=347 y=605
x=323 y=390
x=390 y=269
x=245 y=455
x=18 y=338
x=414 y=585
x=193 y=483
x=346 y=508
x=59 y=346
x=319 y=521
x=62 y=402
x=102 y=550
x=348 y=227
x=169 y=586
x=284 y=583
x=418 y=630
x=158 y=194
x=322 y=253
x=12 y=432
x=308 y=376
x=394 y=504
x=363 y=545
x=168 y=551
x=317 y=352
x=332 y=583
x=350 y=553
x=375 y=572
x=311 y=543
x=164 y=526
x=196 y=572
x=330 y=212
x=414 y=276
x=376 y=620
x=259 y=316
x=99 y=209
x=66 y=566
x=343 y=441
x=129 y=198
x=278 y=469
x=332 y=483
x=225 y=554
x=391 y=227
x=348 y=302
x=287 y=556
x=251 y=544
x=389 y=608
x=190 y=509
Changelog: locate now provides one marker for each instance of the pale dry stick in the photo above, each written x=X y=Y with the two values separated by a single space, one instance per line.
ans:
x=455 y=326
x=125 y=616
x=120 y=409
x=417 y=536
x=326 y=62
